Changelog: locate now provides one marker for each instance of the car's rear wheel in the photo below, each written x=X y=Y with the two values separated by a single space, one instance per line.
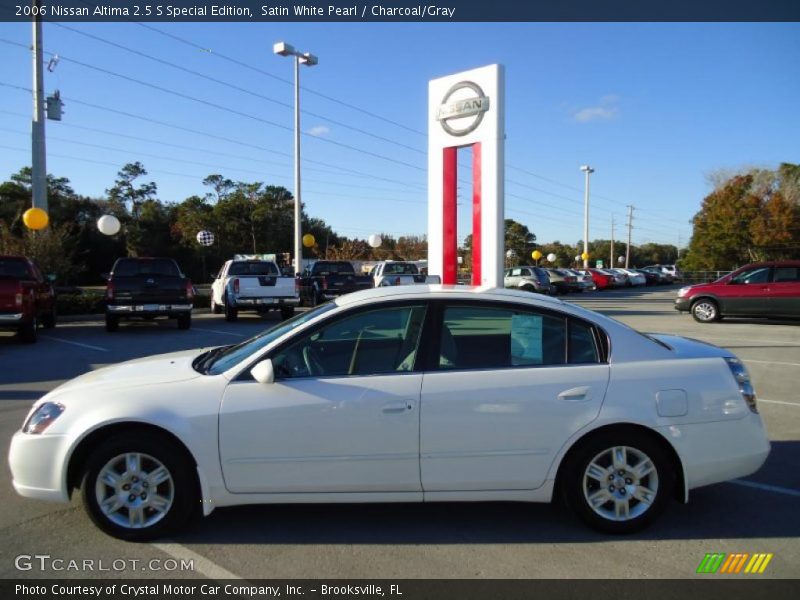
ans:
x=112 y=323
x=184 y=321
x=28 y=332
x=231 y=314
x=139 y=486
x=618 y=482
x=705 y=311
x=49 y=319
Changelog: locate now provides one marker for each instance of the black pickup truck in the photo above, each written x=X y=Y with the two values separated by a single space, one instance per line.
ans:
x=328 y=279
x=146 y=288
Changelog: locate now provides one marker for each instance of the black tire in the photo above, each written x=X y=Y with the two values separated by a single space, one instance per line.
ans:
x=528 y=288
x=182 y=488
x=287 y=312
x=231 y=314
x=314 y=300
x=184 y=321
x=705 y=310
x=49 y=319
x=28 y=332
x=658 y=485
x=112 y=323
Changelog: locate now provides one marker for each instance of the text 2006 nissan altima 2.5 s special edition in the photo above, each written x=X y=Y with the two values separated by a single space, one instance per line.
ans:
x=417 y=393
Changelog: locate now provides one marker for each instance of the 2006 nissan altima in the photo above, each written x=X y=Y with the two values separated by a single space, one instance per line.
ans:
x=417 y=393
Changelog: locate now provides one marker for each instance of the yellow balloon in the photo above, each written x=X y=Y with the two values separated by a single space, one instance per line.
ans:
x=536 y=255
x=585 y=256
x=308 y=240
x=35 y=218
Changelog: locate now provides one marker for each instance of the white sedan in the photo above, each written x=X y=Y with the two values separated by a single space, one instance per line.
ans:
x=400 y=394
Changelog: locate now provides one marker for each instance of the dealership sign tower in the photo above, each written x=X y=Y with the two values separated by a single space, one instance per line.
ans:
x=466 y=110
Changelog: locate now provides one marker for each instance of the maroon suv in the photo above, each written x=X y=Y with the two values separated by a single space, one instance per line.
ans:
x=26 y=297
x=768 y=289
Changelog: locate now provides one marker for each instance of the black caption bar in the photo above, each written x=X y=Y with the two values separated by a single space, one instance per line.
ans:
x=394 y=11
x=402 y=589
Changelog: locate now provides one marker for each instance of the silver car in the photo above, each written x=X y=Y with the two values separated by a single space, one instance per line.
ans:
x=531 y=279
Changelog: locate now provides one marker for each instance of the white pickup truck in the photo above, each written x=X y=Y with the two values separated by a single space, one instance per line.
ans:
x=392 y=272
x=246 y=284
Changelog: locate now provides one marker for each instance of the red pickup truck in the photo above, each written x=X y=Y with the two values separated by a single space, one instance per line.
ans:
x=26 y=298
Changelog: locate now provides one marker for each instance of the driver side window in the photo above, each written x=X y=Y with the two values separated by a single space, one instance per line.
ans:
x=367 y=343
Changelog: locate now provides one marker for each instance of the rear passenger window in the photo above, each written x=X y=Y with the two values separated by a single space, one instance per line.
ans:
x=490 y=338
x=786 y=275
x=582 y=345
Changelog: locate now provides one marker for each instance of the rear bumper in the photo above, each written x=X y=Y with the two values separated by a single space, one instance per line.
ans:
x=11 y=318
x=148 y=310
x=266 y=302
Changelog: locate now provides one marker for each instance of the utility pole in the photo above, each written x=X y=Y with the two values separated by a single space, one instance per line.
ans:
x=611 y=262
x=588 y=171
x=39 y=155
x=630 y=225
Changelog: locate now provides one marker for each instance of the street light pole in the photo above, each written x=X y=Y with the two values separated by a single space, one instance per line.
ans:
x=39 y=155
x=588 y=170
x=304 y=58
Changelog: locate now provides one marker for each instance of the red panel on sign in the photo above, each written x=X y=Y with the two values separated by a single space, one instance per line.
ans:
x=450 y=258
x=476 y=214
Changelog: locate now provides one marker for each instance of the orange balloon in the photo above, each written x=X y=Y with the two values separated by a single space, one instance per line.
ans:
x=35 y=218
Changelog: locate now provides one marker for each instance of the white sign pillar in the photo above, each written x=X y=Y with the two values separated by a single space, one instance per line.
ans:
x=467 y=109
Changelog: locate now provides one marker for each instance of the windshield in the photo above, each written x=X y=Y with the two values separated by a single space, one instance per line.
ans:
x=229 y=356
x=135 y=267
x=332 y=268
x=253 y=268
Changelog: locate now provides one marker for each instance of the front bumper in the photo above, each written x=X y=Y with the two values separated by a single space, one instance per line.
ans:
x=683 y=304
x=37 y=466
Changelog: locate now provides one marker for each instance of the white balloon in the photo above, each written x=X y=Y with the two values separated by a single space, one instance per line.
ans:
x=578 y=258
x=108 y=224
x=620 y=259
x=205 y=238
x=510 y=253
x=375 y=240
x=551 y=257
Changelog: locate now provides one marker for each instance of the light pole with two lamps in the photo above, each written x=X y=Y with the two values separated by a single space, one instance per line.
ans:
x=309 y=60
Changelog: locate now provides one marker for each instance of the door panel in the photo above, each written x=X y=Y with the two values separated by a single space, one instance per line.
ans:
x=748 y=293
x=340 y=434
x=491 y=430
x=785 y=291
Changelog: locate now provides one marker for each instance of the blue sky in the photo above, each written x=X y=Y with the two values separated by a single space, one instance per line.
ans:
x=652 y=107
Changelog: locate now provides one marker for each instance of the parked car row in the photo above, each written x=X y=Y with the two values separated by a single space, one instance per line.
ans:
x=562 y=280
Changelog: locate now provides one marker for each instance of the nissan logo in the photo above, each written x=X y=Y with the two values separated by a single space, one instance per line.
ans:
x=459 y=106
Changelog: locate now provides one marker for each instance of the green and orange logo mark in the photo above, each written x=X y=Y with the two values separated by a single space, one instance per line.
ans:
x=735 y=563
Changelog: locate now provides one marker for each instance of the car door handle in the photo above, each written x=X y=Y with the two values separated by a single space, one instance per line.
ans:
x=398 y=407
x=578 y=394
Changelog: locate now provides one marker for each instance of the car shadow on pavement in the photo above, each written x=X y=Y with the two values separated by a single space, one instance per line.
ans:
x=723 y=511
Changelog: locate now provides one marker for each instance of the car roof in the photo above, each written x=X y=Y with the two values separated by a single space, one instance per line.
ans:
x=402 y=292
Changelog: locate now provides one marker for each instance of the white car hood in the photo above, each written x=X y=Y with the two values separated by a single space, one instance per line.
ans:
x=162 y=368
x=690 y=348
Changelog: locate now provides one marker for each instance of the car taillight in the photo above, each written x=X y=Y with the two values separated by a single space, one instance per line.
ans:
x=324 y=284
x=18 y=297
x=189 y=290
x=110 y=290
x=742 y=377
x=236 y=286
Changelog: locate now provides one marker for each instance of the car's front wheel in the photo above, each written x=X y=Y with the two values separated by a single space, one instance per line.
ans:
x=705 y=311
x=138 y=487
x=618 y=483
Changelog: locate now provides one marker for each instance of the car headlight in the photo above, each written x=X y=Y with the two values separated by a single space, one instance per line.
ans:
x=41 y=418
x=742 y=377
x=683 y=291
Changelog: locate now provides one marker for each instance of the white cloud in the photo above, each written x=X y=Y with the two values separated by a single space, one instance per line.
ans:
x=605 y=111
x=319 y=130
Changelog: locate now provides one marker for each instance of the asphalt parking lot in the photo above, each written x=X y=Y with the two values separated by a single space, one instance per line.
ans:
x=487 y=540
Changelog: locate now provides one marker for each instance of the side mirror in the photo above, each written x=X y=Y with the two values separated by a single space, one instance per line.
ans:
x=263 y=372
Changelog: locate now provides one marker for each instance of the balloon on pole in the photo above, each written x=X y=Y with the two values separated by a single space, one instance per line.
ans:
x=108 y=225
x=308 y=240
x=551 y=257
x=620 y=259
x=585 y=256
x=35 y=218
x=205 y=238
x=375 y=241
x=536 y=255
